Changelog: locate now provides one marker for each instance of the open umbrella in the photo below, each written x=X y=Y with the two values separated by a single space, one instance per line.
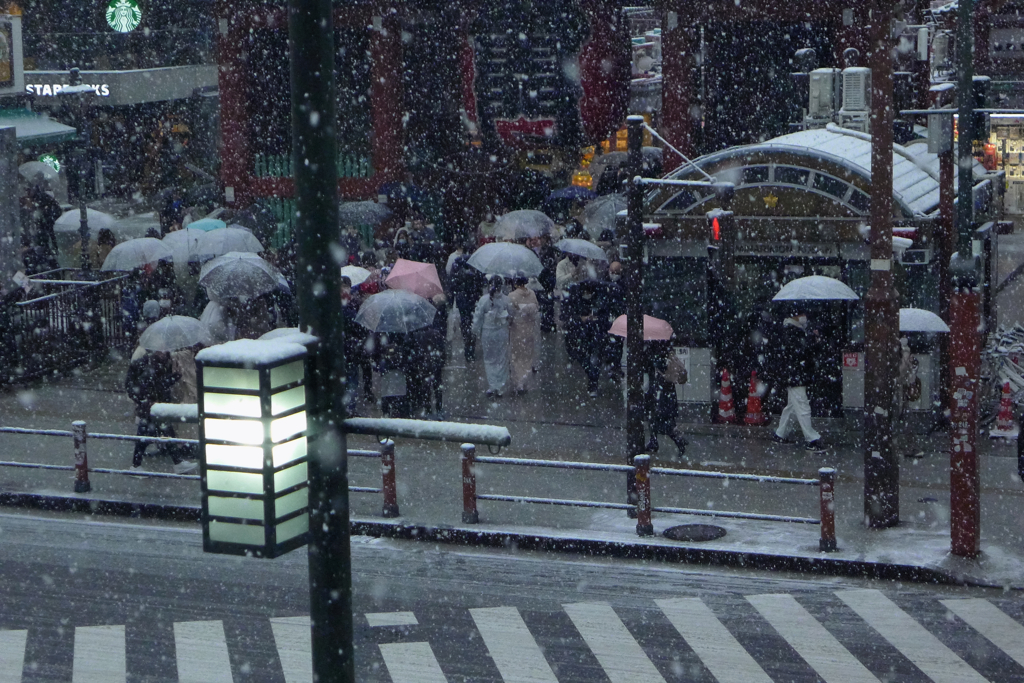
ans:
x=291 y=334
x=355 y=274
x=70 y=221
x=175 y=332
x=354 y=214
x=816 y=288
x=220 y=242
x=238 y=278
x=506 y=259
x=413 y=276
x=136 y=254
x=654 y=328
x=522 y=224
x=207 y=224
x=38 y=171
x=599 y=215
x=395 y=310
x=565 y=202
x=184 y=244
x=920 y=320
x=583 y=248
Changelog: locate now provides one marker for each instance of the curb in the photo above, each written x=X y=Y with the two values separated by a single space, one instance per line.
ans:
x=633 y=550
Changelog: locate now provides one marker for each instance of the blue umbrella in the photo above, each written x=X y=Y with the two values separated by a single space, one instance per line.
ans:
x=207 y=224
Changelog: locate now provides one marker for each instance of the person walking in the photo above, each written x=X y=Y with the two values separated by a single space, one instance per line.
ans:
x=151 y=379
x=491 y=323
x=524 y=332
x=796 y=373
x=584 y=329
x=661 y=404
x=393 y=354
x=465 y=284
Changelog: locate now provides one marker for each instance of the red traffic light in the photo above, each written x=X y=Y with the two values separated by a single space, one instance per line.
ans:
x=716 y=232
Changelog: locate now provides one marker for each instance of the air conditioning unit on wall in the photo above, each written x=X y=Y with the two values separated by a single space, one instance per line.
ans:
x=856 y=98
x=821 y=103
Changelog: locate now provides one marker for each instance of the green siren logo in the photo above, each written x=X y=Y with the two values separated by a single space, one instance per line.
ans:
x=123 y=15
x=50 y=161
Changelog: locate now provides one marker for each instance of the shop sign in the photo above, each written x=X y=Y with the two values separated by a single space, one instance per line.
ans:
x=811 y=250
x=851 y=360
x=47 y=90
x=51 y=161
x=123 y=15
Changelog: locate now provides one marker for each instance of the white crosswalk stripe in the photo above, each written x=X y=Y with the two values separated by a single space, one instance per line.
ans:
x=12 y=655
x=720 y=652
x=291 y=636
x=202 y=652
x=991 y=622
x=912 y=639
x=99 y=655
x=516 y=654
x=810 y=639
x=412 y=663
x=621 y=657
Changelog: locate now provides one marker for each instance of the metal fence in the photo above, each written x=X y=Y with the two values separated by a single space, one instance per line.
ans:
x=69 y=318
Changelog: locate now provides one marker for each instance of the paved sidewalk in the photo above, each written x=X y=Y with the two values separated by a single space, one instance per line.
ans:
x=560 y=422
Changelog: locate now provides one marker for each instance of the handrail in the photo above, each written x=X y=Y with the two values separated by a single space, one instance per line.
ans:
x=488 y=435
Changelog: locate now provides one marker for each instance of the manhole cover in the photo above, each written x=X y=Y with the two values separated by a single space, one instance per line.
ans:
x=694 y=532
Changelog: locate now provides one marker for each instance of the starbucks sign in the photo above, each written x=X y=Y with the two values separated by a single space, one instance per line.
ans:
x=123 y=15
x=50 y=161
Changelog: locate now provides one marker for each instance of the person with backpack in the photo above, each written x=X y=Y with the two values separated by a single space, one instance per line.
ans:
x=466 y=284
x=151 y=379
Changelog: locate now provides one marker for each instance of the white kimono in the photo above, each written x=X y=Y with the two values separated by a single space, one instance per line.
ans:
x=490 y=322
x=525 y=332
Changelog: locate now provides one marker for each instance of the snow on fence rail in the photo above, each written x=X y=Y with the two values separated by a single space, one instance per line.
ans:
x=643 y=472
x=81 y=467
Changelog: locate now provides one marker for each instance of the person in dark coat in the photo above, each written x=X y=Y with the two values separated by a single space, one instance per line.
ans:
x=585 y=328
x=393 y=355
x=355 y=346
x=39 y=213
x=661 y=405
x=466 y=285
x=549 y=258
x=431 y=349
x=796 y=372
x=150 y=380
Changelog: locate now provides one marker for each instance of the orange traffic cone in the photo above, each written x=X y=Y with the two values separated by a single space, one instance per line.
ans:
x=754 y=416
x=726 y=408
x=1004 y=421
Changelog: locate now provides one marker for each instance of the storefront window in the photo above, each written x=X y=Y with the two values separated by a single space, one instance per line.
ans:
x=787 y=175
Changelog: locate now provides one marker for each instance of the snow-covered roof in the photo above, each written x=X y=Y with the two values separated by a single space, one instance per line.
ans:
x=32 y=128
x=915 y=171
x=251 y=352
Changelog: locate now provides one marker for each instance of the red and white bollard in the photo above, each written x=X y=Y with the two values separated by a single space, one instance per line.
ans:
x=388 y=485
x=469 y=511
x=644 y=527
x=81 y=459
x=827 y=493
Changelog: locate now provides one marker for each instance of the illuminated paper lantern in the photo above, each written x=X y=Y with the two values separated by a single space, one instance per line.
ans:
x=252 y=434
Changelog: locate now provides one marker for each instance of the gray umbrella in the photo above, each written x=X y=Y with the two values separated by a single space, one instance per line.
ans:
x=506 y=259
x=599 y=215
x=354 y=214
x=175 y=332
x=395 y=310
x=239 y=279
x=583 y=248
x=522 y=224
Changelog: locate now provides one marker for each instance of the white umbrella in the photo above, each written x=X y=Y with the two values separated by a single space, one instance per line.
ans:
x=70 y=221
x=237 y=277
x=506 y=259
x=136 y=254
x=37 y=170
x=583 y=248
x=354 y=214
x=522 y=224
x=184 y=244
x=224 y=240
x=599 y=215
x=920 y=320
x=355 y=274
x=395 y=310
x=816 y=288
x=175 y=332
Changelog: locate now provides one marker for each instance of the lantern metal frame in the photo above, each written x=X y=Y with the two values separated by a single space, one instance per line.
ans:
x=230 y=508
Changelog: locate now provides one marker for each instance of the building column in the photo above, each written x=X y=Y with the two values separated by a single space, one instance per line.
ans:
x=680 y=104
x=236 y=157
x=386 y=96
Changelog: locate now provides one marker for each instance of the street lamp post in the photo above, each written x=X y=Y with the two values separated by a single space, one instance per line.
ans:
x=77 y=89
x=318 y=285
x=634 y=305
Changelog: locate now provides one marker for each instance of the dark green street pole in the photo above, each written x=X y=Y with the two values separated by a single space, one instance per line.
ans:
x=634 y=304
x=318 y=282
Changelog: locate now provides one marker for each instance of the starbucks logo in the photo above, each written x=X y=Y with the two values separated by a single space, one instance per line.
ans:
x=123 y=15
x=50 y=161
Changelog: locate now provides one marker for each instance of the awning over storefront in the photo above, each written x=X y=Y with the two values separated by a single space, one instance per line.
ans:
x=32 y=128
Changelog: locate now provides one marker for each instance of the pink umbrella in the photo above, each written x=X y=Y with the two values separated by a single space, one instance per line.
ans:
x=654 y=328
x=413 y=276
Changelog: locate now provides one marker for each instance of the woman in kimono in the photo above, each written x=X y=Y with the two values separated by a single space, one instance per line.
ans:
x=491 y=323
x=524 y=333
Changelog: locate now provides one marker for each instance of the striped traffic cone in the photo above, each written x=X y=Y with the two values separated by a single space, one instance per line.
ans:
x=754 y=416
x=726 y=408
